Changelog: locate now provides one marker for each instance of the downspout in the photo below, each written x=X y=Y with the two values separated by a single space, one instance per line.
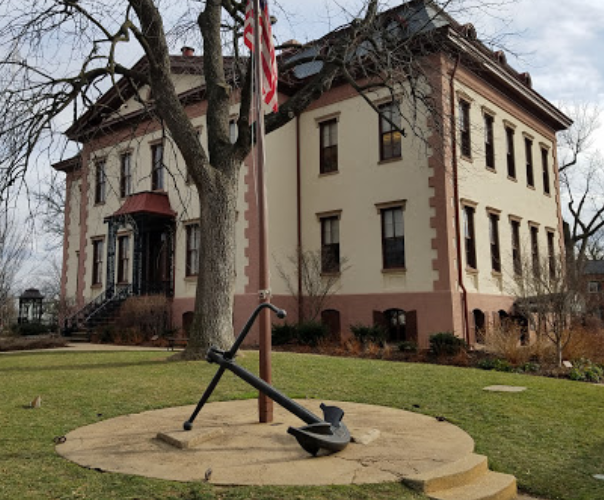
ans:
x=299 y=218
x=464 y=292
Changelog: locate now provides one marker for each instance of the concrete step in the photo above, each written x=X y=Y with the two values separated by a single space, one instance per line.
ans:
x=489 y=486
x=452 y=475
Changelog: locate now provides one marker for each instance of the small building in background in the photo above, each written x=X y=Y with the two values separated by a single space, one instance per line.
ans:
x=31 y=306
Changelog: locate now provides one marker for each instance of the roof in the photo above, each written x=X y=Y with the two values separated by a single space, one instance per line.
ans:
x=594 y=267
x=147 y=202
x=31 y=293
x=68 y=165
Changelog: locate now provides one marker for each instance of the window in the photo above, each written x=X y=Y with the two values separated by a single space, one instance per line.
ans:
x=464 y=128
x=330 y=244
x=157 y=167
x=551 y=254
x=123 y=259
x=393 y=238
x=97 y=262
x=100 y=185
x=516 y=257
x=511 y=155
x=535 y=250
x=192 y=257
x=593 y=287
x=494 y=239
x=233 y=131
x=469 y=236
x=329 y=146
x=544 y=162
x=528 y=147
x=125 y=175
x=390 y=136
x=489 y=146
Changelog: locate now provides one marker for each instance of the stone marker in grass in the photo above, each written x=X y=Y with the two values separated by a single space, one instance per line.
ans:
x=504 y=388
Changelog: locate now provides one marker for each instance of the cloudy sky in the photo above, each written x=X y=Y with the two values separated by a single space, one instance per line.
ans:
x=557 y=41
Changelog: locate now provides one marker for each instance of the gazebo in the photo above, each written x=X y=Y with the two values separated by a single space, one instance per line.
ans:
x=30 y=306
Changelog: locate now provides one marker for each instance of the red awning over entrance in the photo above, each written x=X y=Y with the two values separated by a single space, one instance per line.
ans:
x=148 y=203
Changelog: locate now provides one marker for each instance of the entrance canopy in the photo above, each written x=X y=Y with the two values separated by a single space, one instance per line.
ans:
x=147 y=202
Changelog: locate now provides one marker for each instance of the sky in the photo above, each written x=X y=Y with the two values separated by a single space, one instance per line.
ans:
x=559 y=42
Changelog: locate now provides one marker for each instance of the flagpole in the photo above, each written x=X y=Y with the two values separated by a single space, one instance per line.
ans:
x=265 y=404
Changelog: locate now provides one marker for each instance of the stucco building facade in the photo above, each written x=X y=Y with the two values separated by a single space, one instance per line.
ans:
x=424 y=232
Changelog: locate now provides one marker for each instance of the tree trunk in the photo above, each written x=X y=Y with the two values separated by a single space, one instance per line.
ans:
x=559 y=353
x=213 y=321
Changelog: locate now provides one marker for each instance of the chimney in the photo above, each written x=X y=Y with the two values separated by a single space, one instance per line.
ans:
x=187 y=51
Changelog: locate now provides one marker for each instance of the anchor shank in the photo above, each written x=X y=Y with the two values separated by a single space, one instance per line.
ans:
x=256 y=382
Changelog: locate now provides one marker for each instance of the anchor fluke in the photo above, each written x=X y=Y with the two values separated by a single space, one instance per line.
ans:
x=331 y=435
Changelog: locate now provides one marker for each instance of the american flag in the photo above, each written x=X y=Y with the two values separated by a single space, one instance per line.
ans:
x=267 y=50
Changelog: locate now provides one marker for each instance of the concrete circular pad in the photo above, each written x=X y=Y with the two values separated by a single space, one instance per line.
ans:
x=228 y=447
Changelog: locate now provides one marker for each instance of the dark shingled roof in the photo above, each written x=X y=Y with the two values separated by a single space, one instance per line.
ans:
x=594 y=267
x=31 y=293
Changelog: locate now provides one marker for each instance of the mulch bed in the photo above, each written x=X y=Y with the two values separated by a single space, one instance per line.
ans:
x=31 y=342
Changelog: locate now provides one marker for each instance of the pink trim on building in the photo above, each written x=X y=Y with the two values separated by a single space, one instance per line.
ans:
x=84 y=201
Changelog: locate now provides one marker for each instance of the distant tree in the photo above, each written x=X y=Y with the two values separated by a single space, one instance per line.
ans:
x=13 y=251
x=49 y=211
x=581 y=167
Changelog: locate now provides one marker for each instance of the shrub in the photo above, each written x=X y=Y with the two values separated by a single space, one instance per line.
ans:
x=31 y=342
x=305 y=333
x=496 y=364
x=27 y=329
x=283 y=333
x=446 y=343
x=585 y=343
x=504 y=342
x=530 y=367
x=310 y=332
x=408 y=346
x=365 y=334
x=587 y=371
x=149 y=315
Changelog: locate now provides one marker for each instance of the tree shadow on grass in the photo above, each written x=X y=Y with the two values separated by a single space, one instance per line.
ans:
x=79 y=367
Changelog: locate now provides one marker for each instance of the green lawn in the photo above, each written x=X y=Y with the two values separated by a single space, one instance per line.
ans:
x=551 y=437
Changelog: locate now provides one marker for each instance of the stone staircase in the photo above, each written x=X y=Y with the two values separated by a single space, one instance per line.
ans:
x=466 y=479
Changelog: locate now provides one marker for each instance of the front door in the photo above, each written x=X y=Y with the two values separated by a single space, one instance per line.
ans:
x=157 y=276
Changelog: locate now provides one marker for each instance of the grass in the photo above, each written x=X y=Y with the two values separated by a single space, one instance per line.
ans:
x=551 y=437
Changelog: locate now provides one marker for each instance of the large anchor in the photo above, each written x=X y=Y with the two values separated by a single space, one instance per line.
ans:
x=328 y=433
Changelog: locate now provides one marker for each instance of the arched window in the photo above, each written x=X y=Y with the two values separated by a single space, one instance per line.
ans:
x=480 y=329
x=187 y=322
x=396 y=321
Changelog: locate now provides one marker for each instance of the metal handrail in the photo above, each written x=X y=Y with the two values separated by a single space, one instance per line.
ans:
x=108 y=296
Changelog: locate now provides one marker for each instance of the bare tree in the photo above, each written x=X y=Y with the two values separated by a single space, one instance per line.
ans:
x=549 y=295
x=13 y=251
x=38 y=88
x=577 y=140
x=583 y=187
x=308 y=284
x=581 y=180
x=49 y=212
